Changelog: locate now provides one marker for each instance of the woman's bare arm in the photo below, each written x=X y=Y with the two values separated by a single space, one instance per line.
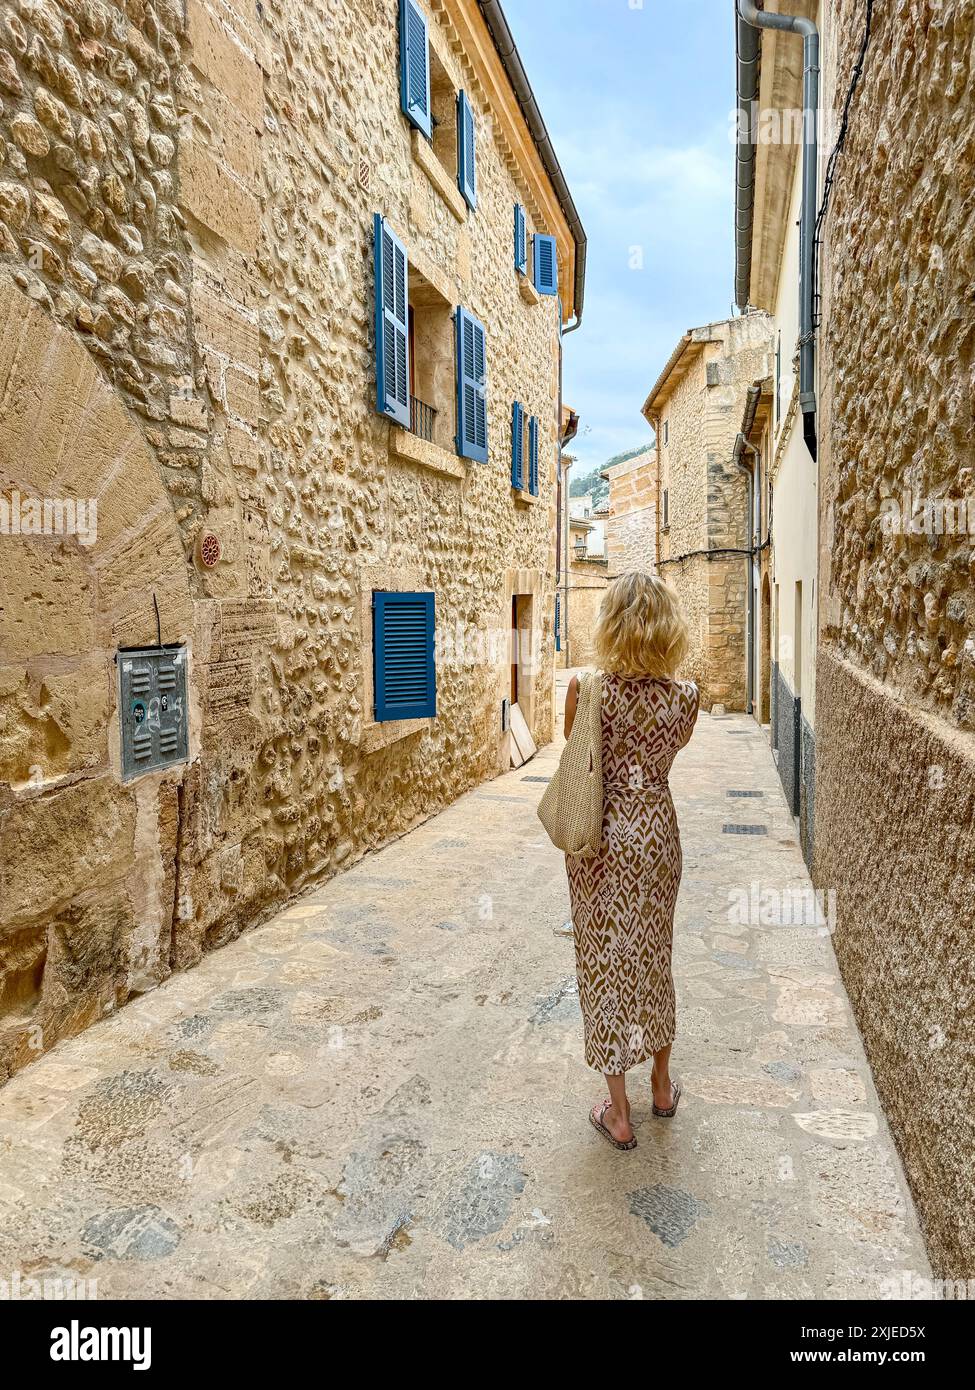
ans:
x=571 y=700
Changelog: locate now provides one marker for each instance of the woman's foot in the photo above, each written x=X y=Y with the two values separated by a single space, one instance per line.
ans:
x=666 y=1098
x=616 y=1122
x=663 y=1089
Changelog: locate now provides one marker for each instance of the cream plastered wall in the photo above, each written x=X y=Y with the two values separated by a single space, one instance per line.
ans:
x=795 y=503
x=188 y=199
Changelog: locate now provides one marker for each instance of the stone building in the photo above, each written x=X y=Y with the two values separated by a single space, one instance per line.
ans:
x=631 y=535
x=695 y=408
x=280 y=291
x=782 y=472
x=877 y=532
x=584 y=576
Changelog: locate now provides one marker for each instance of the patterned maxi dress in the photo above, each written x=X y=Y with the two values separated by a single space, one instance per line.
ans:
x=623 y=899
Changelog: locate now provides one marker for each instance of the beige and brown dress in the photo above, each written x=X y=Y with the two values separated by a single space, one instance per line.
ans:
x=623 y=898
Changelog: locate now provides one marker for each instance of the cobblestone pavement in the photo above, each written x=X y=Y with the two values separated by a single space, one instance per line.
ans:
x=381 y=1093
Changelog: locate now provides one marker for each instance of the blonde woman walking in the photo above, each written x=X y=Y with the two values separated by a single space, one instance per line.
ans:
x=623 y=898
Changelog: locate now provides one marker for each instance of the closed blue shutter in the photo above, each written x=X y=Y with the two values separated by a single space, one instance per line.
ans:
x=546 y=265
x=533 y=456
x=405 y=674
x=392 y=324
x=466 y=151
x=521 y=241
x=471 y=387
x=517 y=445
x=414 y=66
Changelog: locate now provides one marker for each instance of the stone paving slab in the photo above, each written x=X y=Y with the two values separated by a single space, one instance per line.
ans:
x=381 y=1093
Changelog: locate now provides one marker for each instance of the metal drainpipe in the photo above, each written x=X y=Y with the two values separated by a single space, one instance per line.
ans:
x=750 y=20
x=741 y=444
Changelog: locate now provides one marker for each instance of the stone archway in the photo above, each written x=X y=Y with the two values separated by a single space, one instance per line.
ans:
x=87 y=537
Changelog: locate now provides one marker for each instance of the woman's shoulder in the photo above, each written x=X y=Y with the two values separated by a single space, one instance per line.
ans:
x=688 y=693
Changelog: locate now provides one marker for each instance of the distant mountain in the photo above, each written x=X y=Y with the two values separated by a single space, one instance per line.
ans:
x=592 y=482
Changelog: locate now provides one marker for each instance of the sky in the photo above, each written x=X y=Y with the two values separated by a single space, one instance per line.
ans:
x=636 y=97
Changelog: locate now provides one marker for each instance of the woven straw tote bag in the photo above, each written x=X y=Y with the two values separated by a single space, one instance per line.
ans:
x=572 y=808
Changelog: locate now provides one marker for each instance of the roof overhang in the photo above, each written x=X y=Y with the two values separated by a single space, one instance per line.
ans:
x=778 y=150
x=688 y=349
x=486 y=40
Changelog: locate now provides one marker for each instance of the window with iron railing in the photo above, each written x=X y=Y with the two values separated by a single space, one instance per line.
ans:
x=422 y=418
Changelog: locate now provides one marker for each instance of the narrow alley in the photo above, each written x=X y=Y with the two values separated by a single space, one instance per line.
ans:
x=381 y=1092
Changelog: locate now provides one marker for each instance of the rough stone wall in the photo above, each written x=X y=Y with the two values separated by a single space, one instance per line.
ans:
x=186 y=233
x=631 y=534
x=902 y=607
x=686 y=481
x=90 y=221
x=895 y=805
x=708 y=501
x=587 y=585
x=895 y=711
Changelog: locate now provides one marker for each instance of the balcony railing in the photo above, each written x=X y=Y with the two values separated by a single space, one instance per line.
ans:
x=422 y=417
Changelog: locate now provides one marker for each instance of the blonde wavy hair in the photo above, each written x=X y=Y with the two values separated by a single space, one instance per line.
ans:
x=641 y=630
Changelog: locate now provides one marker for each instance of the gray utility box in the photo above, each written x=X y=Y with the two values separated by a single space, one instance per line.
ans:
x=153 y=708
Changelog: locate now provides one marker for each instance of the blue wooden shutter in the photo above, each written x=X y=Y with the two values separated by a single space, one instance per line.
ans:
x=405 y=675
x=546 y=265
x=392 y=324
x=517 y=445
x=558 y=621
x=533 y=456
x=521 y=241
x=466 y=151
x=414 y=66
x=471 y=387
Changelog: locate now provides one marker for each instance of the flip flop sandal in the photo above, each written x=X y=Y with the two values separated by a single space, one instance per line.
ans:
x=675 y=1091
x=597 y=1123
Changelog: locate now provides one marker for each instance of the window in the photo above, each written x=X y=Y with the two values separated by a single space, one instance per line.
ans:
x=533 y=456
x=471 y=387
x=521 y=241
x=466 y=151
x=517 y=445
x=414 y=343
x=666 y=432
x=392 y=324
x=518 y=449
x=431 y=362
x=414 y=62
x=546 y=267
x=778 y=380
x=666 y=500
x=404 y=675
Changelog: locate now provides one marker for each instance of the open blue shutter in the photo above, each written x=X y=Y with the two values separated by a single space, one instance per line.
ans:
x=466 y=151
x=546 y=265
x=471 y=387
x=517 y=445
x=558 y=621
x=521 y=243
x=405 y=675
x=414 y=66
x=392 y=324
x=533 y=456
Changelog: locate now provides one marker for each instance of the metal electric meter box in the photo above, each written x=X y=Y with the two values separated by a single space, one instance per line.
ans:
x=153 y=708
